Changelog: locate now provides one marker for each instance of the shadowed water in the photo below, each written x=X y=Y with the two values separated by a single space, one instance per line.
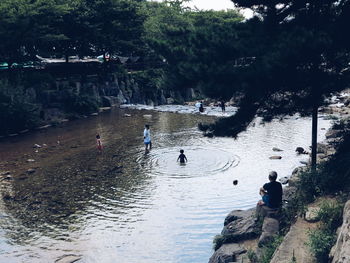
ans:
x=127 y=206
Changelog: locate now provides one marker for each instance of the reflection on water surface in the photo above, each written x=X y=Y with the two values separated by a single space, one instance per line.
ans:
x=127 y=206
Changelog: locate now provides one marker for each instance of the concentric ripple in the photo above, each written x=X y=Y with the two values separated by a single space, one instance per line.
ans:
x=201 y=162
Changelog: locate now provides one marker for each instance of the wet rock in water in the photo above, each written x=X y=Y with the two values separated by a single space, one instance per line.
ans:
x=5 y=173
x=127 y=115
x=228 y=253
x=147 y=115
x=94 y=114
x=284 y=180
x=30 y=171
x=68 y=259
x=304 y=162
x=275 y=157
x=301 y=150
x=30 y=160
x=23 y=177
x=270 y=229
x=37 y=146
x=8 y=177
x=74 y=146
x=275 y=149
x=7 y=197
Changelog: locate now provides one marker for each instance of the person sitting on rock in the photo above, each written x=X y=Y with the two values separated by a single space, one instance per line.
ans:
x=271 y=195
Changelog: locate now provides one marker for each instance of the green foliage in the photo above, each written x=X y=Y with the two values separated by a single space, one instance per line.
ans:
x=150 y=80
x=253 y=258
x=80 y=104
x=330 y=214
x=200 y=47
x=63 y=28
x=322 y=239
x=218 y=241
x=299 y=59
x=268 y=250
x=16 y=111
x=320 y=243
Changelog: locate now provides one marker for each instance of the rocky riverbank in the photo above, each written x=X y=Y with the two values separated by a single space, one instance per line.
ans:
x=242 y=226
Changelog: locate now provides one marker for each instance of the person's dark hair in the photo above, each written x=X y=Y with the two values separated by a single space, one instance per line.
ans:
x=273 y=175
x=147 y=126
x=182 y=151
x=98 y=136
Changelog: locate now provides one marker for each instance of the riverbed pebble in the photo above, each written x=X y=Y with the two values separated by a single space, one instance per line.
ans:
x=30 y=171
x=275 y=157
x=30 y=160
x=275 y=149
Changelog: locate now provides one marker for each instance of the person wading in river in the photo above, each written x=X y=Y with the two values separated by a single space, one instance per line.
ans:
x=99 y=142
x=182 y=157
x=147 y=138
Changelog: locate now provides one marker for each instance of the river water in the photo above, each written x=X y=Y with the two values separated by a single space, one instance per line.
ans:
x=127 y=206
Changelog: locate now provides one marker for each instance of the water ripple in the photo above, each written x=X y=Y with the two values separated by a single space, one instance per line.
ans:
x=202 y=161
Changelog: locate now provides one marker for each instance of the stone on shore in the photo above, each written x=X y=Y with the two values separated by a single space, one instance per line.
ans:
x=241 y=228
x=30 y=171
x=238 y=214
x=284 y=180
x=270 y=229
x=228 y=253
x=293 y=244
x=340 y=253
x=311 y=214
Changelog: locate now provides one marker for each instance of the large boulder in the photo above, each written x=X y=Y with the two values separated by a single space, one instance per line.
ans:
x=242 y=227
x=228 y=253
x=239 y=214
x=340 y=253
x=270 y=229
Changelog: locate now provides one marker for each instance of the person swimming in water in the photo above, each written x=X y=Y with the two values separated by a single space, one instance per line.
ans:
x=182 y=157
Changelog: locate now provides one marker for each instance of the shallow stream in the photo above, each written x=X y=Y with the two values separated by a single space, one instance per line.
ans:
x=127 y=206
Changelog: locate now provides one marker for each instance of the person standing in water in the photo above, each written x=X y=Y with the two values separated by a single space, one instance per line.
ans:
x=222 y=105
x=182 y=157
x=147 y=138
x=99 y=142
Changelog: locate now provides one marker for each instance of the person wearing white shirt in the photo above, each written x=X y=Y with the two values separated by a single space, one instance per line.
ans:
x=147 y=138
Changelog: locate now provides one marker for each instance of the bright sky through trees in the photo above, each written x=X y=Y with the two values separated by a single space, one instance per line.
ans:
x=215 y=5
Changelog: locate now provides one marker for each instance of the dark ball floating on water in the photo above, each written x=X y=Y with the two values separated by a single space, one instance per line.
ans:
x=235 y=182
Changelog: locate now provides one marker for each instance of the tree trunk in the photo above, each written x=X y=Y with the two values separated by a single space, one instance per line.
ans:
x=314 y=137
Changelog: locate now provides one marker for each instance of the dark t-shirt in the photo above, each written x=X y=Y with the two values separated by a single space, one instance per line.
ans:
x=182 y=158
x=274 y=190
